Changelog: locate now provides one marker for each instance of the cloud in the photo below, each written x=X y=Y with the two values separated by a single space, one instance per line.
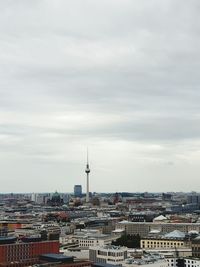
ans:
x=121 y=77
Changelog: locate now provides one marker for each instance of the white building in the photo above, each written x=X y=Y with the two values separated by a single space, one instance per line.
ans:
x=33 y=197
x=108 y=254
x=87 y=241
x=121 y=256
x=192 y=262
x=172 y=252
x=186 y=262
x=172 y=262
x=147 y=263
x=89 y=237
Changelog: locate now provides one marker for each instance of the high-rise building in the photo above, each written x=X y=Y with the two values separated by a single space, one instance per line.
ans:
x=193 y=198
x=77 y=190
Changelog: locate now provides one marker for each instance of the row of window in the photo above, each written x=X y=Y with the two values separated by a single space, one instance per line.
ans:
x=151 y=246
x=163 y=243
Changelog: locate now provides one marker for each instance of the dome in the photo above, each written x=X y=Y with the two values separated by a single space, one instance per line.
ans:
x=56 y=196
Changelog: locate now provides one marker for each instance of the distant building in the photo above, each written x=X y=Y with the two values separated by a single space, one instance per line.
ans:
x=142 y=216
x=55 y=200
x=65 y=198
x=193 y=198
x=166 y=196
x=78 y=190
x=40 y=199
x=33 y=197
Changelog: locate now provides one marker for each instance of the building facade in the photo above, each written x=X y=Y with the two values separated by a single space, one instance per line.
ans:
x=21 y=254
x=78 y=190
x=95 y=240
x=157 y=243
x=108 y=254
x=144 y=228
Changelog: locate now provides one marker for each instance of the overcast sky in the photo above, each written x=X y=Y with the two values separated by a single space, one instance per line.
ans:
x=121 y=77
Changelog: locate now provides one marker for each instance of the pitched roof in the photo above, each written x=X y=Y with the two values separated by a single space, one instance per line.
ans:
x=175 y=234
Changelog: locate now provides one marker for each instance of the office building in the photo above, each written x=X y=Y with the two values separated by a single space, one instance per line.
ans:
x=78 y=190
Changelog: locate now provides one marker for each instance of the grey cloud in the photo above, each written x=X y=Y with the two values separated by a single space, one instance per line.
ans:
x=117 y=75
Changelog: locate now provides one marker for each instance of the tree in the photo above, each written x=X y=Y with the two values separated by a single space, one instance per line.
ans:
x=130 y=241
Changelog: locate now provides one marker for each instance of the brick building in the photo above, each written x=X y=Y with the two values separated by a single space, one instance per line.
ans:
x=20 y=254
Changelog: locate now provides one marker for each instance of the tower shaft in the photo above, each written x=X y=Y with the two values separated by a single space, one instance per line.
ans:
x=87 y=193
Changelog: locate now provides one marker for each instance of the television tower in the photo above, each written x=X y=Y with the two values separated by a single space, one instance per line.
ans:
x=87 y=171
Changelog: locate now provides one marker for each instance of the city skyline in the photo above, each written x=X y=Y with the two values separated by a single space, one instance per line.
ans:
x=120 y=77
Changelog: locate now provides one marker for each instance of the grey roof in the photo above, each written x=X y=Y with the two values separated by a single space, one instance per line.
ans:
x=175 y=234
x=160 y=218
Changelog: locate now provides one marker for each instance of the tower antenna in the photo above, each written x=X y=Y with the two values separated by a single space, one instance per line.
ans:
x=87 y=156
